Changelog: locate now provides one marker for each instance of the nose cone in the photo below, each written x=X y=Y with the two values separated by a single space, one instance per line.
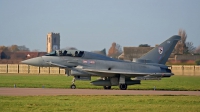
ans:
x=38 y=61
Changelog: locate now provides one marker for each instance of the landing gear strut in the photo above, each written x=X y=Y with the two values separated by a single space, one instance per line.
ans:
x=73 y=86
x=106 y=87
x=123 y=86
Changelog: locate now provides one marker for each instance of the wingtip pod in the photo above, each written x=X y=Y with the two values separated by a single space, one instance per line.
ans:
x=161 y=53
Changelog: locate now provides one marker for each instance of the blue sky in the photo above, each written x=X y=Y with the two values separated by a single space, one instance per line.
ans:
x=95 y=24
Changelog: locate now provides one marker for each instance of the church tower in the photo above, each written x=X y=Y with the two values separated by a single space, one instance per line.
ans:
x=53 y=42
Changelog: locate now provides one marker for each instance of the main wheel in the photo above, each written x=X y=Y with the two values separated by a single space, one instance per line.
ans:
x=123 y=86
x=107 y=87
x=73 y=86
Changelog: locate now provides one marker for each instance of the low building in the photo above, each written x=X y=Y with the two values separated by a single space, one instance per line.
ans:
x=187 y=57
x=17 y=57
x=135 y=52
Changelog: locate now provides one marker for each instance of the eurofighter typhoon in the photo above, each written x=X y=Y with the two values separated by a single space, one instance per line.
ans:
x=113 y=72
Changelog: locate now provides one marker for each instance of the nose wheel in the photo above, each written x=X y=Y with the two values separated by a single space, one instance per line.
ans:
x=107 y=87
x=73 y=86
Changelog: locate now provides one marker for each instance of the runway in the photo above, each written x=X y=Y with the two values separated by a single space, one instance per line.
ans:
x=56 y=92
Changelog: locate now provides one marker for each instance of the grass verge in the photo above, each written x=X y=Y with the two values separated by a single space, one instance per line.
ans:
x=61 y=81
x=100 y=103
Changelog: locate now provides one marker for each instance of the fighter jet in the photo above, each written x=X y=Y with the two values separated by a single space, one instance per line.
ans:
x=113 y=72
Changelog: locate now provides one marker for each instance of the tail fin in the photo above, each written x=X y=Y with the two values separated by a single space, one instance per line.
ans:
x=161 y=53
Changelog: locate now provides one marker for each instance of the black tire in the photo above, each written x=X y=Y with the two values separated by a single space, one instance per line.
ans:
x=123 y=86
x=73 y=86
x=107 y=87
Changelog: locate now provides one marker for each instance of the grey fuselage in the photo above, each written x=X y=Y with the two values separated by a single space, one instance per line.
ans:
x=108 y=65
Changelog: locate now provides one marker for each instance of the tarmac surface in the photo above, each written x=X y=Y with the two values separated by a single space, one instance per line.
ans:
x=55 y=92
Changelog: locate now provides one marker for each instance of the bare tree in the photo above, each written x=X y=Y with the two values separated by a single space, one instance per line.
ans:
x=118 y=48
x=197 y=50
x=180 y=47
x=4 y=48
x=189 y=48
x=13 y=48
x=23 y=48
x=115 y=50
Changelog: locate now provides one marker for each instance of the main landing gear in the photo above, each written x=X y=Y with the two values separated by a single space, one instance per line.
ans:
x=73 y=86
x=122 y=82
x=122 y=86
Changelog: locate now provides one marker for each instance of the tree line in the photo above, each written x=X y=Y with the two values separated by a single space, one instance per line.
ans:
x=13 y=48
x=182 y=47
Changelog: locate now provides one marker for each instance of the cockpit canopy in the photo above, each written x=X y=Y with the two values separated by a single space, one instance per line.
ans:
x=72 y=53
x=80 y=54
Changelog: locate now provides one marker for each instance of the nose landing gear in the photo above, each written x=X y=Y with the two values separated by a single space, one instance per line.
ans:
x=73 y=86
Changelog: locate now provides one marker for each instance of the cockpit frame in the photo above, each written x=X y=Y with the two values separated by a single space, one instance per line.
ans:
x=71 y=53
